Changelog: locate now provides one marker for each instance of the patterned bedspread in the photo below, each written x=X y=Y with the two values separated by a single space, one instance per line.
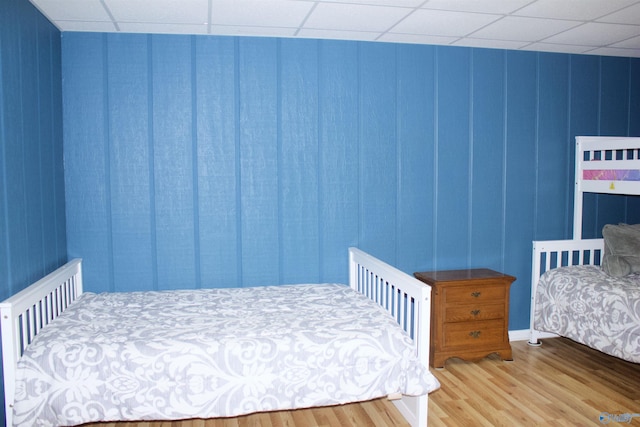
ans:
x=587 y=305
x=212 y=353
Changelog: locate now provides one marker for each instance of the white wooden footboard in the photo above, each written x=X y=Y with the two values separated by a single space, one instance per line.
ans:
x=23 y=315
x=409 y=302
x=552 y=254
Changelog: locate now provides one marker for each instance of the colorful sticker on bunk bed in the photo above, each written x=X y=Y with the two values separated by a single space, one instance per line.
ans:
x=611 y=175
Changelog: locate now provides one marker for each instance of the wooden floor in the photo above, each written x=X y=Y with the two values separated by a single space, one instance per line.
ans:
x=560 y=383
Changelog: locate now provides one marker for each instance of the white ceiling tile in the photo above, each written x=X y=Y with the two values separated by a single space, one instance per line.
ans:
x=92 y=26
x=417 y=38
x=595 y=34
x=354 y=17
x=523 y=29
x=78 y=10
x=632 y=43
x=572 y=9
x=485 y=6
x=396 y=3
x=163 y=11
x=245 y=30
x=260 y=13
x=443 y=23
x=338 y=35
x=629 y=15
x=154 y=28
x=494 y=44
x=559 y=48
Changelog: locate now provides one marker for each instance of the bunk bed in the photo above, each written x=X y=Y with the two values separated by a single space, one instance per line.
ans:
x=588 y=290
x=72 y=357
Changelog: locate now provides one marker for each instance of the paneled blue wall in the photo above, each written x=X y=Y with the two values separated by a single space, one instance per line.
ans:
x=32 y=217
x=220 y=161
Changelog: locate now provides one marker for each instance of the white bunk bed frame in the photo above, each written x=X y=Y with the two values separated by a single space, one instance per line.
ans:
x=407 y=299
x=592 y=153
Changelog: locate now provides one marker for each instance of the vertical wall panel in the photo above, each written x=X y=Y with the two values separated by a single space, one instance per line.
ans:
x=85 y=148
x=520 y=190
x=554 y=165
x=31 y=145
x=634 y=97
x=14 y=227
x=377 y=151
x=173 y=161
x=338 y=155
x=633 y=203
x=488 y=145
x=4 y=241
x=128 y=82
x=416 y=160
x=453 y=145
x=298 y=162
x=217 y=161
x=584 y=120
x=50 y=148
x=259 y=157
x=614 y=92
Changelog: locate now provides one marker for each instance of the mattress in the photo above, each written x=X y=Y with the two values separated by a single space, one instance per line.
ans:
x=589 y=306
x=213 y=353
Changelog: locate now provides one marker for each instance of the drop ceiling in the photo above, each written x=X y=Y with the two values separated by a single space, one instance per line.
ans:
x=596 y=27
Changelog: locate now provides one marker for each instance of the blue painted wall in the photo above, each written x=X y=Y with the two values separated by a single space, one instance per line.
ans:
x=32 y=217
x=220 y=161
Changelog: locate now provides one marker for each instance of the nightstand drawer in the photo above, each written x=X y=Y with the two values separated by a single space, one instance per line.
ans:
x=473 y=294
x=463 y=313
x=475 y=334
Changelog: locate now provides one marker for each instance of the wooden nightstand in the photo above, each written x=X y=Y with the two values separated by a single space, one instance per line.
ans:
x=469 y=314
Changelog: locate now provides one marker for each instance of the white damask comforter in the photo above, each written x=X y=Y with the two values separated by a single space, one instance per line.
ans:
x=589 y=306
x=212 y=353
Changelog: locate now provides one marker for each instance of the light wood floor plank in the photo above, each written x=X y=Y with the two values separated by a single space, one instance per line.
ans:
x=559 y=383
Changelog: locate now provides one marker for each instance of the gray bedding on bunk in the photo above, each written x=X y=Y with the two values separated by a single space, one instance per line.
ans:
x=587 y=305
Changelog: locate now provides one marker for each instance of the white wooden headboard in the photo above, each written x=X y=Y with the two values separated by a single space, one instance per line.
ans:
x=23 y=315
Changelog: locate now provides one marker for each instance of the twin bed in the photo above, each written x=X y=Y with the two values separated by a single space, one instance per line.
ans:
x=71 y=357
x=575 y=291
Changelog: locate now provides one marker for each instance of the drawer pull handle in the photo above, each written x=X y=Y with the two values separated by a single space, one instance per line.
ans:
x=474 y=334
x=475 y=294
x=475 y=312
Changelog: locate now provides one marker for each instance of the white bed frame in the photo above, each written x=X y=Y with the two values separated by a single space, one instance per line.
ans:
x=409 y=302
x=406 y=298
x=599 y=152
x=551 y=254
x=592 y=153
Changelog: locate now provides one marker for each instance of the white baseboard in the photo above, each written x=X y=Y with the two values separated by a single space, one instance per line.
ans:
x=524 y=334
